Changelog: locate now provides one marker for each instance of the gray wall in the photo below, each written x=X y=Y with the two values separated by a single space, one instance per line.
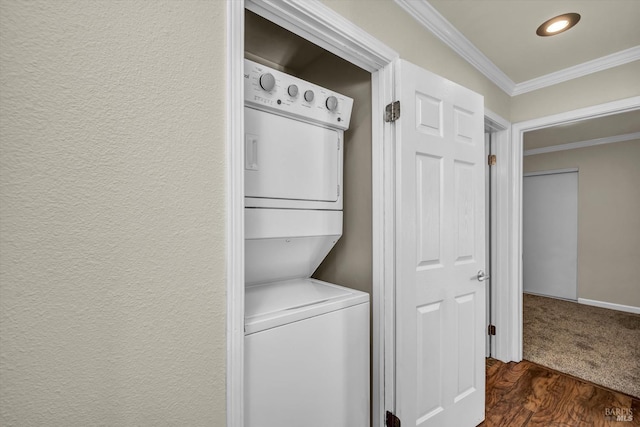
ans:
x=608 y=220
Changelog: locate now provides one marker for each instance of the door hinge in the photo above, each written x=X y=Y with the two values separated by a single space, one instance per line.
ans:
x=491 y=330
x=392 y=420
x=492 y=160
x=392 y=112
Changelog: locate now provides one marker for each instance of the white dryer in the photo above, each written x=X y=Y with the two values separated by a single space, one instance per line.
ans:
x=306 y=341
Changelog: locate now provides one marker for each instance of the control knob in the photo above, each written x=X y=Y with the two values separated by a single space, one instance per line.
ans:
x=267 y=81
x=331 y=103
x=292 y=90
x=308 y=96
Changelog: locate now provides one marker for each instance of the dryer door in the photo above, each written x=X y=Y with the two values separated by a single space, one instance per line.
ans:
x=288 y=161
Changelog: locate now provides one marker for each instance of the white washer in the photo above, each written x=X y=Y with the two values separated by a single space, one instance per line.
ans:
x=308 y=347
x=306 y=341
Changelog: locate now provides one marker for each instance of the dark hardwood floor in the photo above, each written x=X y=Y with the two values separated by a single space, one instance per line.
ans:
x=527 y=394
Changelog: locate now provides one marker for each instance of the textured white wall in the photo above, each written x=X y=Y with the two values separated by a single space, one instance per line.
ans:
x=112 y=301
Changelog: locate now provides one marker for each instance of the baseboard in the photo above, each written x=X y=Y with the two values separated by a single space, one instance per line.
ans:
x=610 y=305
x=550 y=296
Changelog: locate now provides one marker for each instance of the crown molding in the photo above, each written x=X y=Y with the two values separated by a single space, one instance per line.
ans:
x=600 y=64
x=583 y=144
x=432 y=20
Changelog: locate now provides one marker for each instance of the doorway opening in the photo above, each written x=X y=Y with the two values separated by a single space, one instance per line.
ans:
x=577 y=246
x=544 y=123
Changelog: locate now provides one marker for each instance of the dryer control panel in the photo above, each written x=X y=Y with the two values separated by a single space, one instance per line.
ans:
x=269 y=89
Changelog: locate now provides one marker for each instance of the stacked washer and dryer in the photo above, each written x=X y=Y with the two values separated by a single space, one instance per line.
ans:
x=306 y=341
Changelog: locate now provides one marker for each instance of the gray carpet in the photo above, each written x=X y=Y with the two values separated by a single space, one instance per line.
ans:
x=592 y=343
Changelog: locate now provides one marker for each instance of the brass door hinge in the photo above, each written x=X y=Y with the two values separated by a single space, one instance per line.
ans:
x=491 y=330
x=492 y=160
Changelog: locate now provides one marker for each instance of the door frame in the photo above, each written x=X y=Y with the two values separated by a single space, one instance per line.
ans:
x=331 y=31
x=500 y=234
x=515 y=188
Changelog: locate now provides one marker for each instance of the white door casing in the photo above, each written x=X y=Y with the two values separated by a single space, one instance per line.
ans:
x=440 y=231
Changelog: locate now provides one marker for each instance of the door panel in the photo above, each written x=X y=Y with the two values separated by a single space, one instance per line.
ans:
x=440 y=304
x=464 y=214
x=429 y=396
x=428 y=200
x=428 y=114
x=465 y=308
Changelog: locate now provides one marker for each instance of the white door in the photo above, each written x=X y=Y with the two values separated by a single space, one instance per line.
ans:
x=550 y=234
x=440 y=303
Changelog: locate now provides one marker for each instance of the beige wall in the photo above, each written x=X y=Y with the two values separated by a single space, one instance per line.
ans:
x=112 y=297
x=598 y=88
x=608 y=220
x=393 y=26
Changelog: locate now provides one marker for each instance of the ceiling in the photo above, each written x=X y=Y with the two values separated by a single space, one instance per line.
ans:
x=505 y=32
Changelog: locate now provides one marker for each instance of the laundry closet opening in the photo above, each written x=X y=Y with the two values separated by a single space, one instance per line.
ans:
x=349 y=263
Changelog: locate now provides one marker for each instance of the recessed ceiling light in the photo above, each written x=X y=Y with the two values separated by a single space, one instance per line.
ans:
x=558 y=24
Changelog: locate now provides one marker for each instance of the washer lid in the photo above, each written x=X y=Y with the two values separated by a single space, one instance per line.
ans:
x=274 y=304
